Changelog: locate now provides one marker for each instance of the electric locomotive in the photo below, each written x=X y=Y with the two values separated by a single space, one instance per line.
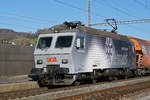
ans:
x=71 y=53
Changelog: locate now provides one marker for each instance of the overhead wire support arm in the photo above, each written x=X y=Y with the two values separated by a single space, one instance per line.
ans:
x=122 y=22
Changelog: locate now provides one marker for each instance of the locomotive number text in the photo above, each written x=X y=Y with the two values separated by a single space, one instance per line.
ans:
x=51 y=59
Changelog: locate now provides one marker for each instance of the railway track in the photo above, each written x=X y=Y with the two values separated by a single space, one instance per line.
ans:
x=117 y=93
x=36 y=91
x=18 y=86
x=43 y=90
x=22 y=93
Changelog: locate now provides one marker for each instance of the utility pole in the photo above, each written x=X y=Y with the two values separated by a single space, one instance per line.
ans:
x=89 y=13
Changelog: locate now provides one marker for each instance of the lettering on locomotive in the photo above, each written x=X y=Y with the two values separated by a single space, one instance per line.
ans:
x=51 y=59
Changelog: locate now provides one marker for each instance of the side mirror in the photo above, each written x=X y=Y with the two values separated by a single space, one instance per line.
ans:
x=78 y=43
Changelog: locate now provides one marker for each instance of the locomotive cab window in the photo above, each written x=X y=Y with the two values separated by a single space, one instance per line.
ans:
x=44 y=42
x=80 y=43
x=64 y=41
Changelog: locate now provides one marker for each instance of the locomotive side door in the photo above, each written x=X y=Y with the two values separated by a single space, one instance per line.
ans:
x=79 y=53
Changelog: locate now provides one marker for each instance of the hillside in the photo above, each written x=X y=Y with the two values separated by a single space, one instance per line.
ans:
x=18 y=38
x=8 y=34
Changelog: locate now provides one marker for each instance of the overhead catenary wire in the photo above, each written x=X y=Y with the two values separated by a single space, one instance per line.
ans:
x=123 y=8
x=139 y=34
x=78 y=8
x=116 y=8
x=28 y=18
x=23 y=26
x=126 y=22
x=121 y=11
x=142 y=4
x=70 y=5
x=123 y=22
x=24 y=20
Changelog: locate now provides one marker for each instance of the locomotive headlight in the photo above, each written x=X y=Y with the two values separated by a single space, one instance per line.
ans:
x=64 y=61
x=39 y=61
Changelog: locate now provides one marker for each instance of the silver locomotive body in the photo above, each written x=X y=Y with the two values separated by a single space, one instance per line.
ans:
x=66 y=57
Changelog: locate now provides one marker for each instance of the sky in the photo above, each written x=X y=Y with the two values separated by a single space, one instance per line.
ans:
x=31 y=15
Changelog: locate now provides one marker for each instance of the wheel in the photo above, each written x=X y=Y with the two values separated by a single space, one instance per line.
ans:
x=110 y=78
x=94 y=81
x=40 y=83
x=76 y=83
x=139 y=72
x=115 y=78
x=126 y=77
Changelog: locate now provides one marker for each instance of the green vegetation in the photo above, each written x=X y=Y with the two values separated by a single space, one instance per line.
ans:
x=24 y=41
